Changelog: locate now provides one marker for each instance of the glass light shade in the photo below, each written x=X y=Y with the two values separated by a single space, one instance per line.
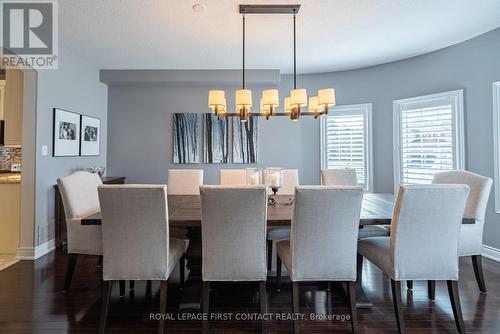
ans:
x=286 y=104
x=298 y=97
x=313 y=104
x=253 y=176
x=326 y=97
x=216 y=98
x=274 y=177
x=243 y=98
x=270 y=97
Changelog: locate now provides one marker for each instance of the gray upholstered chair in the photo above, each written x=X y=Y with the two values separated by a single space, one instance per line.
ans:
x=471 y=235
x=185 y=181
x=276 y=233
x=136 y=240
x=233 y=225
x=233 y=177
x=80 y=199
x=423 y=245
x=324 y=240
x=348 y=177
x=339 y=177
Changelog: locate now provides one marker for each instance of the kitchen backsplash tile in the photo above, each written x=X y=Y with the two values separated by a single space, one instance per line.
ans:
x=9 y=156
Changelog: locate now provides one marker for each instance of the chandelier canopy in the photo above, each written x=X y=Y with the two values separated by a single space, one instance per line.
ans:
x=269 y=102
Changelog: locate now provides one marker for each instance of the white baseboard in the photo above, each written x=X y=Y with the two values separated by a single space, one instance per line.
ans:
x=33 y=253
x=491 y=253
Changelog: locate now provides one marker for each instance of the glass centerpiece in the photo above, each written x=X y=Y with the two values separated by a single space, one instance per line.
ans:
x=273 y=177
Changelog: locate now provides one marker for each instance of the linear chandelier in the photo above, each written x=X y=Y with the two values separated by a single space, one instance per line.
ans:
x=293 y=104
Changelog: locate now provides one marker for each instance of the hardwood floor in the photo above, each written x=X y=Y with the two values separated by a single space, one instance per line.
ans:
x=31 y=302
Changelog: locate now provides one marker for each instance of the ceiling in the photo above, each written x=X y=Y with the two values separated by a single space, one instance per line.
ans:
x=332 y=35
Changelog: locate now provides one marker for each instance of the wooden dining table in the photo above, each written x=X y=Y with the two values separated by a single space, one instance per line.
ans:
x=185 y=214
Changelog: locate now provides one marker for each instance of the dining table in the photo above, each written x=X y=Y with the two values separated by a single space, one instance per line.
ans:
x=185 y=215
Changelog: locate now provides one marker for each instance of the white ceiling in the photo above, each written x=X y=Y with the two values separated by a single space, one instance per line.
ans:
x=332 y=34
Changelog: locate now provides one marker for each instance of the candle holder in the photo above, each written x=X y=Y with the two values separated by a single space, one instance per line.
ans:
x=254 y=176
x=273 y=179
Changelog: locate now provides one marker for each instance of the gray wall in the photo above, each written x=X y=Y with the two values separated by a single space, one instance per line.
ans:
x=74 y=86
x=139 y=131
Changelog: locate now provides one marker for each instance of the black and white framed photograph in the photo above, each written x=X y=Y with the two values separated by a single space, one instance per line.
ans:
x=185 y=138
x=66 y=135
x=245 y=140
x=91 y=136
x=215 y=139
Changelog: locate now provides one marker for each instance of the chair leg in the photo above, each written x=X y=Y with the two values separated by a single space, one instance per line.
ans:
x=205 y=306
x=99 y=262
x=269 y=254
x=182 y=271
x=106 y=297
x=263 y=304
x=131 y=285
x=70 y=269
x=431 y=289
x=278 y=272
x=351 y=291
x=359 y=268
x=398 y=307
x=295 y=306
x=163 y=306
x=122 y=289
x=477 y=264
x=455 y=305
x=409 y=285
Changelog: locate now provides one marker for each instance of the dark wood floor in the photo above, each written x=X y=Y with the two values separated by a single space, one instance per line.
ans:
x=31 y=302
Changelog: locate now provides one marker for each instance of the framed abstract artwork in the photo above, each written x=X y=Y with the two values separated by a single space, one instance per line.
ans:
x=90 y=136
x=245 y=140
x=215 y=139
x=66 y=134
x=185 y=138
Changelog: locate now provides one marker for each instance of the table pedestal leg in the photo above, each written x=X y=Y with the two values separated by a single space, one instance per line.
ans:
x=191 y=295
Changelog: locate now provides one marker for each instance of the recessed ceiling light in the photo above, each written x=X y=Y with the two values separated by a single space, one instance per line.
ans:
x=199 y=8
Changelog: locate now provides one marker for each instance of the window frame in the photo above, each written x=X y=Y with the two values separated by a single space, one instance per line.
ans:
x=457 y=124
x=352 y=109
x=495 y=88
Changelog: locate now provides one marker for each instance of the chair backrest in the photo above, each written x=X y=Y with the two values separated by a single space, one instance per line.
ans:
x=480 y=187
x=185 y=181
x=324 y=233
x=134 y=231
x=233 y=224
x=339 y=177
x=425 y=231
x=289 y=182
x=79 y=194
x=233 y=177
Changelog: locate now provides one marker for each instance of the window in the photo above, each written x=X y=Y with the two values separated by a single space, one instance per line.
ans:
x=496 y=141
x=346 y=141
x=428 y=136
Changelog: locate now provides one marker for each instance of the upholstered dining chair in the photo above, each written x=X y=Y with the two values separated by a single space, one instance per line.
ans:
x=323 y=242
x=233 y=226
x=233 y=177
x=348 y=177
x=136 y=240
x=423 y=244
x=80 y=199
x=276 y=233
x=339 y=177
x=184 y=181
x=471 y=235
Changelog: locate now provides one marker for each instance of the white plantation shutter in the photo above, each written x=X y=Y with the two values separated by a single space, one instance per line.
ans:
x=346 y=137
x=429 y=136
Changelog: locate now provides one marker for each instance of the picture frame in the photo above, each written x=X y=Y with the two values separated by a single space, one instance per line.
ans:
x=90 y=138
x=66 y=133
